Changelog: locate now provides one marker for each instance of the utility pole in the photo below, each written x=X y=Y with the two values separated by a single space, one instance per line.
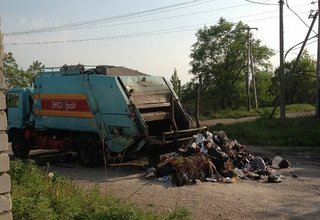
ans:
x=254 y=83
x=197 y=112
x=318 y=70
x=314 y=18
x=248 y=68
x=179 y=90
x=281 y=68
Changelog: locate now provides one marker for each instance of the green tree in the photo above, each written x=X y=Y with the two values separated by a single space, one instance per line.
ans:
x=188 y=92
x=265 y=95
x=300 y=80
x=33 y=70
x=220 y=56
x=188 y=96
x=14 y=75
x=175 y=82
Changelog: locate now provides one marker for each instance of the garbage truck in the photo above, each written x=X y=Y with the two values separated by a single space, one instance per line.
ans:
x=97 y=112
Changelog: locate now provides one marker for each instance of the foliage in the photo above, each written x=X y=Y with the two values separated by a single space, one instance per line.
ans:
x=175 y=81
x=220 y=56
x=16 y=76
x=33 y=70
x=37 y=195
x=188 y=92
x=275 y=132
x=178 y=214
x=265 y=95
x=300 y=80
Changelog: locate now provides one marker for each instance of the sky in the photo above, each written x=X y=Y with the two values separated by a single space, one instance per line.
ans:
x=153 y=37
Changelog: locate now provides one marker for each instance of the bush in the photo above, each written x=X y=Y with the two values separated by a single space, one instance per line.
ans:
x=39 y=195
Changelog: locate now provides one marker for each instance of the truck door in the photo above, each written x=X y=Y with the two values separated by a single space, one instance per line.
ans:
x=14 y=109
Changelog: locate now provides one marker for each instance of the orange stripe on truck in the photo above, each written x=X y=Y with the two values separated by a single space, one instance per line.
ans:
x=77 y=114
x=60 y=96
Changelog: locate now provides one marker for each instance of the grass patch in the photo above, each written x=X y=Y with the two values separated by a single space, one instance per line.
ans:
x=180 y=214
x=261 y=112
x=37 y=195
x=239 y=113
x=295 y=132
x=298 y=108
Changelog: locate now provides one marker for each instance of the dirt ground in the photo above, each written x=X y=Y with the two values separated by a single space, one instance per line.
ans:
x=293 y=198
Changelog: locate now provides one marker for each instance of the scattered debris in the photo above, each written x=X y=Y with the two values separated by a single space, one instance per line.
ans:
x=213 y=157
x=276 y=161
x=284 y=164
x=274 y=179
x=294 y=175
x=151 y=172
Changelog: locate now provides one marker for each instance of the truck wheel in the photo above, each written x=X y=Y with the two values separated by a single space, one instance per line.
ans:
x=88 y=153
x=20 y=147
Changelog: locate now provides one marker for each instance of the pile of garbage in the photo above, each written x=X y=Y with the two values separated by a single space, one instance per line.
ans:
x=214 y=157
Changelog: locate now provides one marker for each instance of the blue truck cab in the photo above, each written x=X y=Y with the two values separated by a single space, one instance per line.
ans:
x=19 y=104
x=97 y=112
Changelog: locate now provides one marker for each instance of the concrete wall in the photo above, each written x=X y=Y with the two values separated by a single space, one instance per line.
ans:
x=5 y=183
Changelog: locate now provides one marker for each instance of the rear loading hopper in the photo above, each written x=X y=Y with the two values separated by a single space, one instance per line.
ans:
x=162 y=119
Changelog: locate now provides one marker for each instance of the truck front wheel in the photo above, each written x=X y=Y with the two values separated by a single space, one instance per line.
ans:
x=88 y=152
x=20 y=147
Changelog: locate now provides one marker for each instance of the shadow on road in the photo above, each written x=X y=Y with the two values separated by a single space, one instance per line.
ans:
x=67 y=165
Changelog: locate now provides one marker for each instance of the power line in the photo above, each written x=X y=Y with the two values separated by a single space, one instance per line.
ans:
x=259 y=3
x=112 y=18
x=293 y=47
x=263 y=38
x=101 y=24
x=312 y=42
x=164 y=18
x=287 y=3
x=266 y=18
x=134 y=22
x=150 y=33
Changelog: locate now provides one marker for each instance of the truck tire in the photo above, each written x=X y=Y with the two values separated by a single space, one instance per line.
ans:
x=88 y=152
x=20 y=147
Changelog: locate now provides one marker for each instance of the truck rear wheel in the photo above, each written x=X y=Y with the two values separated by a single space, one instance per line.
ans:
x=88 y=152
x=20 y=147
